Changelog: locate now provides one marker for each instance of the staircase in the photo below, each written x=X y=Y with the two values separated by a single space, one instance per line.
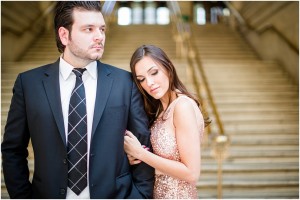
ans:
x=124 y=40
x=257 y=103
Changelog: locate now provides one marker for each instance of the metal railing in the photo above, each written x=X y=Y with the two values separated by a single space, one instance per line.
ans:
x=36 y=25
x=244 y=25
x=186 y=48
x=107 y=11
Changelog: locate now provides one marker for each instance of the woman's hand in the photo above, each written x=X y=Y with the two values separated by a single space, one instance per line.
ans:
x=132 y=160
x=132 y=147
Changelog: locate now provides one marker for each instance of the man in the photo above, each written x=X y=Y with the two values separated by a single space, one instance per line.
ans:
x=91 y=131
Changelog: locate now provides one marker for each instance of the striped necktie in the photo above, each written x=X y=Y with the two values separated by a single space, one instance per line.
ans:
x=77 y=136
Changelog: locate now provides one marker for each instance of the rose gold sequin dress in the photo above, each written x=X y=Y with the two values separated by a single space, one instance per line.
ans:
x=164 y=144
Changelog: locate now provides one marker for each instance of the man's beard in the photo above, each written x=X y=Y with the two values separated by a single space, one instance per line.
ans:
x=82 y=54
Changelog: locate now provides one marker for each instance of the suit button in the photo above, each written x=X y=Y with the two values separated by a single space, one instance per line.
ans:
x=62 y=191
x=92 y=155
x=65 y=161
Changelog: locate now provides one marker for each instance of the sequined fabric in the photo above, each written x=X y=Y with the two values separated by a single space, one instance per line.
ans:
x=167 y=187
x=164 y=144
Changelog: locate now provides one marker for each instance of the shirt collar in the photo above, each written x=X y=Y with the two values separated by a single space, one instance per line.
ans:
x=66 y=69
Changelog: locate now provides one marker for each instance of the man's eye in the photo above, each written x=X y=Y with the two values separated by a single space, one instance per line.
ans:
x=88 y=29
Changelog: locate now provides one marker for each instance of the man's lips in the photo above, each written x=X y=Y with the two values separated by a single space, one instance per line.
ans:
x=98 y=47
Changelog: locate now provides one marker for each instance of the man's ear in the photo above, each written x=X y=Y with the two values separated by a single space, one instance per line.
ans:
x=63 y=35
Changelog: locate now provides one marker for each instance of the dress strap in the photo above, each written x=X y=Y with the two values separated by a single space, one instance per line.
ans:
x=170 y=109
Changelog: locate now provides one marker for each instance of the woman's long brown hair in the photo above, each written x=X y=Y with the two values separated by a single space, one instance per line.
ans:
x=153 y=106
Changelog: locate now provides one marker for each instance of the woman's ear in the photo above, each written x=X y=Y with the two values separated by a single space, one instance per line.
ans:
x=63 y=35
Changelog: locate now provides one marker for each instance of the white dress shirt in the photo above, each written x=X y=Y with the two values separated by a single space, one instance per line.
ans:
x=67 y=81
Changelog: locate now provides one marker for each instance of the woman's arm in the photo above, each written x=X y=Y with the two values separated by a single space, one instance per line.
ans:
x=188 y=140
x=142 y=174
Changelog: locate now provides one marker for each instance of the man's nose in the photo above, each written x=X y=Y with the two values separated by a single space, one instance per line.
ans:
x=99 y=35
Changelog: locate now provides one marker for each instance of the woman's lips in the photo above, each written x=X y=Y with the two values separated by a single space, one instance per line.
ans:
x=154 y=90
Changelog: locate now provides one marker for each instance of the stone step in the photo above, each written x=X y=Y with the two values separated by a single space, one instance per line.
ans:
x=270 y=94
x=276 y=128
x=251 y=192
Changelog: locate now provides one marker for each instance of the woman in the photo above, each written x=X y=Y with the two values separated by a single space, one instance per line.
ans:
x=177 y=126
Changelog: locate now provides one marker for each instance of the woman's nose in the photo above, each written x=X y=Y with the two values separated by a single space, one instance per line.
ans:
x=150 y=82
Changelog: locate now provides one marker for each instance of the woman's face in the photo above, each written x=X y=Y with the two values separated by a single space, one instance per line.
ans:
x=152 y=77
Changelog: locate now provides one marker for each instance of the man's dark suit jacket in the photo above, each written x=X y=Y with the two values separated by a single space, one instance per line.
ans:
x=36 y=113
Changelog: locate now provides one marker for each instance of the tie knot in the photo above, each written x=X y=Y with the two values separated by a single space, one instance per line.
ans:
x=79 y=71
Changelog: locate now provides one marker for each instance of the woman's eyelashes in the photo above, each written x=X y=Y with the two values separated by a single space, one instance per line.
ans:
x=152 y=73
x=140 y=80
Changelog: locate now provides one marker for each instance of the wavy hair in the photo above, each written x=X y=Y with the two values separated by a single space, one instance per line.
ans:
x=153 y=106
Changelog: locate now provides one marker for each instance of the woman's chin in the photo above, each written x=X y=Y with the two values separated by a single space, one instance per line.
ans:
x=156 y=96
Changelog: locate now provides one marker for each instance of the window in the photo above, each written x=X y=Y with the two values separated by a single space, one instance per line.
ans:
x=124 y=16
x=200 y=15
x=162 y=16
x=137 y=13
x=143 y=12
x=150 y=13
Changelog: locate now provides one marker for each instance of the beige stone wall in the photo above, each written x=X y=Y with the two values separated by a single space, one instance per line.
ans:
x=19 y=27
x=273 y=31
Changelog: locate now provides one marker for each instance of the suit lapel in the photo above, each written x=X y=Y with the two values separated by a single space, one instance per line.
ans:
x=104 y=84
x=52 y=89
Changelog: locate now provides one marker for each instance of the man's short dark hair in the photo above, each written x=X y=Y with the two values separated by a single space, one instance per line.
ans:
x=64 y=16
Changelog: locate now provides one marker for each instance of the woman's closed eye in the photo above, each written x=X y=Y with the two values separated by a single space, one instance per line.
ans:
x=140 y=80
x=154 y=72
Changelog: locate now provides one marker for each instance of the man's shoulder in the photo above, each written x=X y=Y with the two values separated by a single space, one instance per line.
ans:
x=37 y=69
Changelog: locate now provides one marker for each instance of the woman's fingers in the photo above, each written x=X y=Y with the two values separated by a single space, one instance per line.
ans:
x=135 y=162
x=132 y=160
x=130 y=138
x=128 y=133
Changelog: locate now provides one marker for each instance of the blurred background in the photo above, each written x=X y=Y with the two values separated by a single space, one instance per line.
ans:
x=241 y=58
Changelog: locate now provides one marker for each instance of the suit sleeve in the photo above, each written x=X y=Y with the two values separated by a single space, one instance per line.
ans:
x=142 y=174
x=14 y=146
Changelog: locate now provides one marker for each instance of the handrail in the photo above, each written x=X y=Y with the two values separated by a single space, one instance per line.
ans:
x=274 y=12
x=108 y=7
x=40 y=19
x=185 y=34
x=107 y=10
x=261 y=30
x=279 y=33
x=219 y=141
x=235 y=13
x=46 y=13
x=208 y=91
